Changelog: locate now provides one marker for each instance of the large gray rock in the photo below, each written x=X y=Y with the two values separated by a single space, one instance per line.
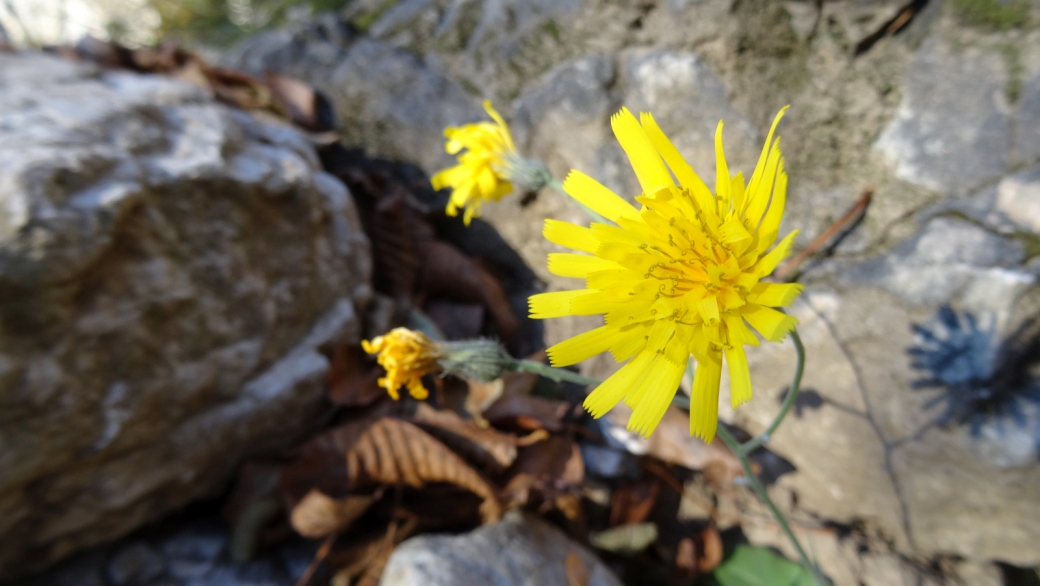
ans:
x=953 y=131
x=170 y=269
x=519 y=550
x=194 y=554
x=389 y=101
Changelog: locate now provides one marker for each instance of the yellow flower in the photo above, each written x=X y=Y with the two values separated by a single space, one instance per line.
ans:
x=483 y=172
x=680 y=276
x=407 y=356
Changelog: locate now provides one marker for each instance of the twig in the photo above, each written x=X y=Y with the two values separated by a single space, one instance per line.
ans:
x=854 y=212
x=319 y=557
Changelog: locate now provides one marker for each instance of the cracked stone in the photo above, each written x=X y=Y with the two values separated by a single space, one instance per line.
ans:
x=941 y=261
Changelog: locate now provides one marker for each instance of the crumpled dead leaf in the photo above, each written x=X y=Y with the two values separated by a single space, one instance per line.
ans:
x=318 y=515
x=488 y=446
x=392 y=451
x=528 y=412
x=353 y=378
x=632 y=502
x=671 y=442
x=552 y=467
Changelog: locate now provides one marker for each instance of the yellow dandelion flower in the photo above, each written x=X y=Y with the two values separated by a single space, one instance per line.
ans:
x=483 y=172
x=681 y=276
x=407 y=356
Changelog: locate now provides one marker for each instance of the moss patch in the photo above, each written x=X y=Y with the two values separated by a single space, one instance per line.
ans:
x=993 y=14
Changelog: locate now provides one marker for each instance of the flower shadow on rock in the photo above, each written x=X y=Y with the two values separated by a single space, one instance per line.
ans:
x=982 y=378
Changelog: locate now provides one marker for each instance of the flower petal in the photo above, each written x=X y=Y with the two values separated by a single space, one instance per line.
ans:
x=570 y=235
x=565 y=264
x=772 y=324
x=555 y=304
x=646 y=161
x=704 y=400
x=607 y=395
x=662 y=384
x=598 y=198
x=584 y=345
x=739 y=375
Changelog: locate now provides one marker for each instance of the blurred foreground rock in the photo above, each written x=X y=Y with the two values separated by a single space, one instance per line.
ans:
x=170 y=271
x=196 y=554
x=519 y=550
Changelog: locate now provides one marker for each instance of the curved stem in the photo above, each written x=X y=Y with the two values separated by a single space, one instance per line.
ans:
x=760 y=492
x=555 y=184
x=792 y=393
x=549 y=372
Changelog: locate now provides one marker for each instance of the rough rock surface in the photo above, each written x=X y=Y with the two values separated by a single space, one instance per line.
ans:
x=170 y=269
x=941 y=120
x=519 y=550
x=196 y=554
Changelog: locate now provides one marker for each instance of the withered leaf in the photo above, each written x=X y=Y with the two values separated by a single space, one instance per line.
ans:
x=318 y=515
x=481 y=396
x=487 y=445
x=393 y=451
x=304 y=106
x=553 y=466
x=686 y=557
x=353 y=379
x=528 y=412
x=449 y=273
x=711 y=550
x=576 y=570
x=632 y=502
x=671 y=442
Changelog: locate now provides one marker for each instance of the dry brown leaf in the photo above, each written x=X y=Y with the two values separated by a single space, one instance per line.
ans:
x=353 y=379
x=711 y=550
x=576 y=570
x=374 y=571
x=393 y=451
x=686 y=557
x=632 y=503
x=553 y=466
x=486 y=445
x=671 y=442
x=298 y=100
x=318 y=515
x=528 y=412
x=570 y=505
x=481 y=396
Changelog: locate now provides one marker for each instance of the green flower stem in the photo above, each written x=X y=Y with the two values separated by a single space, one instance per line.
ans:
x=555 y=184
x=796 y=384
x=760 y=492
x=556 y=374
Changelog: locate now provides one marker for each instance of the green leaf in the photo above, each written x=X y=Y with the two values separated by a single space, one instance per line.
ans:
x=757 y=566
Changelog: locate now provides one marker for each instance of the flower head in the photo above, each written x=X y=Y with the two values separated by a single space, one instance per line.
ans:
x=486 y=169
x=407 y=356
x=680 y=276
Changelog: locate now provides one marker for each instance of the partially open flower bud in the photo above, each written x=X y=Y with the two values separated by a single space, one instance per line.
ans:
x=407 y=356
x=478 y=360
